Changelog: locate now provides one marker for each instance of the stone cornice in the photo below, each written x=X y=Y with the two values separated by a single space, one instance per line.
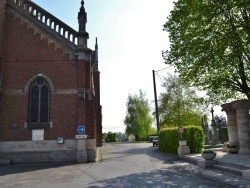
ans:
x=241 y=104
x=227 y=107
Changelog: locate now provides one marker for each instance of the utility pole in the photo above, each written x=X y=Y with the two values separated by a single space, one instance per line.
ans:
x=156 y=104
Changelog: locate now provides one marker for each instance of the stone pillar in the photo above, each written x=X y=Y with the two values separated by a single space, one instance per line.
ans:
x=81 y=152
x=232 y=123
x=215 y=136
x=242 y=113
x=206 y=130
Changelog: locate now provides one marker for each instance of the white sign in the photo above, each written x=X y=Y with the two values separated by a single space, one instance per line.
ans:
x=37 y=134
x=81 y=136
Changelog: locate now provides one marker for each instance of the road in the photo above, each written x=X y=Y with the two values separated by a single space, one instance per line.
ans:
x=124 y=165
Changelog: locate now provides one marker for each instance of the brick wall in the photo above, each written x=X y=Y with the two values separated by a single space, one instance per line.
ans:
x=28 y=52
x=25 y=55
x=2 y=17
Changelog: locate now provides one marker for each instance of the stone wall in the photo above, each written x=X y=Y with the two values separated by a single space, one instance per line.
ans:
x=44 y=145
x=72 y=151
x=55 y=156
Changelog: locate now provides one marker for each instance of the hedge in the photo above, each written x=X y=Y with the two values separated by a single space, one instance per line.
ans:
x=224 y=135
x=169 y=139
x=111 y=137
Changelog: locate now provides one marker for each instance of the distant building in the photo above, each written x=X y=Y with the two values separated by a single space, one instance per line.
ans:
x=49 y=87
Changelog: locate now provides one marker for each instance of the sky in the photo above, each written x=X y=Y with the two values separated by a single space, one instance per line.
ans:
x=130 y=44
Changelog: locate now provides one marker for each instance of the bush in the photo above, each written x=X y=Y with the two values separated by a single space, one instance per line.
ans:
x=224 y=134
x=231 y=146
x=111 y=137
x=169 y=137
x=195 y=139
x=168 y=140
x=207 y=151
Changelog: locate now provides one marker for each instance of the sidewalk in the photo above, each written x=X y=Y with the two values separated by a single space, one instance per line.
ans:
x=235 y=160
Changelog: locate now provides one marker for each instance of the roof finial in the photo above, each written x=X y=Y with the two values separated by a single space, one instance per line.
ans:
x=82 y=3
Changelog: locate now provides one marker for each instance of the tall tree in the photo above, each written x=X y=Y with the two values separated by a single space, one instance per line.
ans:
x=220 y=121
x=138 y=120
x=178 y=105
x=210 y=46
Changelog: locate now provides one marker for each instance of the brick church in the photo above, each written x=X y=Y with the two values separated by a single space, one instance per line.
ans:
x=49 y=87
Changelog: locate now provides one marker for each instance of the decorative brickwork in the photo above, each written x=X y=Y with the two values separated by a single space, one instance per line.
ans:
x=33 y=50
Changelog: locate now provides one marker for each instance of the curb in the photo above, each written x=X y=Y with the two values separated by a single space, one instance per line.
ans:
x=4 y=162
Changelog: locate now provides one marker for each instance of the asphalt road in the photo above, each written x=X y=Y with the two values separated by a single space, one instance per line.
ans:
x=124 y=165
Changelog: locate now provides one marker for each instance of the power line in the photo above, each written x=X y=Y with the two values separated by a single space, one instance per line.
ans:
x=157 y=73
x=164 y=84
x=164 y=69
x=160 y=78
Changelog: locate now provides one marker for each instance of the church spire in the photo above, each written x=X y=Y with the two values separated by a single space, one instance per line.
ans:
x=82 y=35
x=96 y=56
x=82 y=18
x=96 y=51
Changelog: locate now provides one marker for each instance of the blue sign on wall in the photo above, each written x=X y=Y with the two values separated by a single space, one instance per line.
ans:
x=81 y=129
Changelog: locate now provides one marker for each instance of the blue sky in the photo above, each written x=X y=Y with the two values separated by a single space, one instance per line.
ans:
x=130 y=41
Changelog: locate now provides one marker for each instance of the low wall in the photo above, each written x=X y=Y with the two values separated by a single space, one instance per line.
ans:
x=44 y=145
x=50 y=151
x=63 y=156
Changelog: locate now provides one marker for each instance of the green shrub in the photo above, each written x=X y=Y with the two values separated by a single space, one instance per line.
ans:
x=224 y=134
x=169 y=139
x=111 y=137
x=195 y=139
x=208 y=151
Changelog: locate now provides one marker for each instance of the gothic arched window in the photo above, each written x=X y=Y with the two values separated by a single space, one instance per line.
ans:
x=39 y=98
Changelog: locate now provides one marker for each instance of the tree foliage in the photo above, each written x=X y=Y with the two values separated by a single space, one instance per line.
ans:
x=178 y=105
x=138 y=120
x=220 y=121
x=210 y=46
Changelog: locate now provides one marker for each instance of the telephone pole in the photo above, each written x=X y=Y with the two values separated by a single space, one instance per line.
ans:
x=156 y=104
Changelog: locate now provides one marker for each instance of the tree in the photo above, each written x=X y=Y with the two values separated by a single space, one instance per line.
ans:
x=138 y=120
x=210 y=46
x=178 y=105
x=220 y=121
